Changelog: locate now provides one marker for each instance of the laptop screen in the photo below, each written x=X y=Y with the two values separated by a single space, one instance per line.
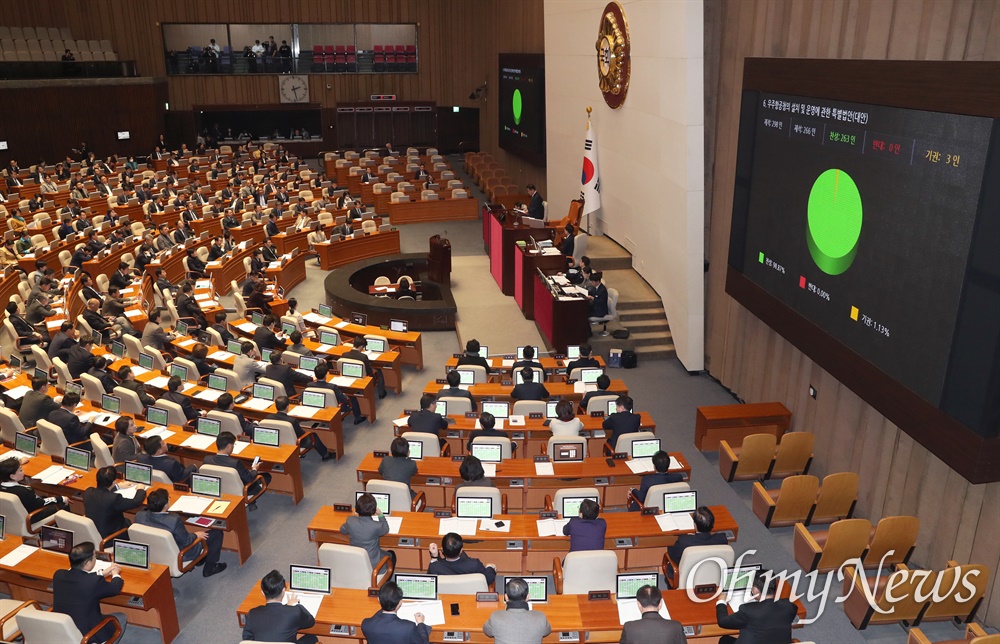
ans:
x=263 y=391
x=146 y=361
x=209 y=426
x=265 y=355
x=138 y=473
x=381 y=498
x=25 y=443
x=484 y=352
x=234 y=346
x=518 y=378
x=130 y=553
x=538 y=589
x=40 y=373
x=309 y=579
x=78 y=459
x=474 y=507
x=326 y=310
x=308 y=363
x=157 y=416
x=590 y=375
x=111 y=404
x=550 y=409
x=266 y=436
x=287 y=328
x=257 y=318
x=571 y=505
x=361 y=319
x=205 y=485
x=739 y=578
x=612 y=407
x=73 y=388
x=572 y=352
x=325 y=337
x=56 y=539
x=628 y=585
x=520 y=353
x=487 y=452
x=417 y=586
x=181 y=328
x=15 y=362
x=441 y=407
x=179 y=370
x=498 y=409
x=645 y=448
x=399 y=326
x=314 y=399
x=216 y=382
x=416 y=450
x=466 y=376
x=685 y=502
x=564 y=452
x=118 y=348
x=376 y=345
x=353 y=370
x=3 y=527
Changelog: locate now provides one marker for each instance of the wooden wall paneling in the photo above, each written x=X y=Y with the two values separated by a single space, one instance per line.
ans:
x=986 y=549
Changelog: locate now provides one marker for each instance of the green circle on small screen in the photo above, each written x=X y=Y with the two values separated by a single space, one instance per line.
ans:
x=834 y=216
x=516 y=104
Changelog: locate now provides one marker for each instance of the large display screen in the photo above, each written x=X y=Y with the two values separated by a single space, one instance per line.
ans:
x=860 y=218
x=522 y=105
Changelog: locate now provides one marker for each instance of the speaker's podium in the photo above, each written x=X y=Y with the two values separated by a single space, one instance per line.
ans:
x=439 y=260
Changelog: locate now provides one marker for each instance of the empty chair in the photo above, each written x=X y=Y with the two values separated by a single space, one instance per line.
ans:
x=826 y=550
x=350 y=567
x=53 y=440
x=892 y=541
x=233 y=485
x=871 y=605
x=579 y=441
x=399 y=495
x=479 y=372
x=837 y=497
x=10 y=425
x=286 y=435
x=793 y=456
x=599 y=403
x=790 y=504
x=584 y=571
x=499 y=499
x=556 y=503
x=102 y=455
x=62 y=373
x=228 y=421
x=504 y=442
x=974 y=634
x=163 y=549
x=93 y=390
x=175 y=414
x=625 y=441
x=749 y=461
x=961 y=601
x=133 y=347
x=690 y=574
x=525 y=407
x=456 y=406
x=83 y=529
x=468 y=584
x=431 y=444
x=130 y=401
x=45 y=626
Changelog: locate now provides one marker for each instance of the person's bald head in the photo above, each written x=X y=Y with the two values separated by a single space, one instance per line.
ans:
x=93 y=304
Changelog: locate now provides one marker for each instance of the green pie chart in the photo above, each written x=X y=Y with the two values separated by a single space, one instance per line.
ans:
x=516 y=104
x=834 y=216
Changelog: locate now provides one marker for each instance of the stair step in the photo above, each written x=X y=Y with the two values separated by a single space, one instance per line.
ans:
x=642 y=314
x=631 y=305
x=640 y=326
x=650 y=336
x=656 y=351
x=610 y=263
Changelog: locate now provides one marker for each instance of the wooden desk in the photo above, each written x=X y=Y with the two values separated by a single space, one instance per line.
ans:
x=173 y=265
x=526 y=264
x=409 y=344
x=32 y=579
x=253 y=233
x=551 y=366
x=212 y=225
x=562 y=322
x=637 y=540
x=733 y=423
x=500 y=238
x=290 y=274
x=223 y=274
x=287 y=242
x=496 y=391
x=413 y=212
x=526 y=490
x=339 y=253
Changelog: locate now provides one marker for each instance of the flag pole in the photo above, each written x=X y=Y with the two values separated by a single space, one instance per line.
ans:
x=589 y=110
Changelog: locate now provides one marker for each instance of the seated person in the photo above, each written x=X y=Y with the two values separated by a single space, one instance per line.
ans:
x=78 y=592
x=517 y=622
x=174 y=395
x=365 y=533
x=36 y=403
x=155 y=515
x=285 y=374
x=488 y=423
x=598 y=307
x=456 y=562
x=660 y=476
x=100 y=371
x=125 y=446
x=199 y=356
x=586 y=532
x=260 y=300
x=529 y=359
x=281 y=404
x=345 y=401
x=295 y=337
x=105 y=507
x=651 y=626
x=566 y=423
x=603 y=382
x=224 y=443
x=128 y=381
x=426 y=419
x=529 y=390
x=704 y=522
x=454 y=391
x=265 y=337
x=472 y=356
x=472 y=473
x=156 y=457
x=398 y=466
x=766 y=619
x=622 y=421
x=385 y=627
x=583 y=361
x=12 y=482
x=281 y=617
x=76 y=433
x=225 y=404
x=222 y=328
x=357 y=353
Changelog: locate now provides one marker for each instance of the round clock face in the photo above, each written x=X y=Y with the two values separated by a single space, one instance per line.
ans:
x=613 y=55
x=293 y=89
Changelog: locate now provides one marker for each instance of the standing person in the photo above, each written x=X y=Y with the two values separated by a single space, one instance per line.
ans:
x=386 y=627
x=281 y=617
x=651 y=627
x=586 y=532
x=365 y=533
x=764 y=620
x=78 y=593
x=517 y=624
x=535 y=208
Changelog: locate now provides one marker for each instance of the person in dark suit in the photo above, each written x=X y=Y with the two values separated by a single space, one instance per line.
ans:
x=426 y=419
x=73 y=429
x=568 y=243
x=487 y=422
x=385 y=627
x=704 y=522
x=281 y=617
x=281 y=404
x=225 y=404
x=221 y=327
x=153 y=334
x=766 y=620
x=529 y=390
x=12 y=481
x=535 y=207
x=265 y=337
x=174 y=395
x=216 y=251
x=26 y=333
x=260 y=300
x=195 y=265
x=105 y=507
x=528 y=359
x=79 y=358
x=78 y=592
x=603 y=383
x=121 y=278
x=356 y=213
x=100 y=371
x=661 y=463
x=357 y=353
x=271 y=227
x=320 y=372
x=456 y=562
x=253 y=278
x=284 y=374
x=36 y=403
x=472 y=356
x=156 y=457
x=651 y=627
x=599 y=300
x=586 y=532
x=621 y=422
x=454 y=391
x=61 y=342
x=224 y=442
x=583 y=361
x=199 y=356
x=156 y=516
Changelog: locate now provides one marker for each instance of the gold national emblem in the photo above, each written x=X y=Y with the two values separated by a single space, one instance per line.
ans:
x=613 y=52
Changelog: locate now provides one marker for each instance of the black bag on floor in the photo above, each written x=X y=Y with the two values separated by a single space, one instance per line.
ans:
x=630 y=359
x=620 y=334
